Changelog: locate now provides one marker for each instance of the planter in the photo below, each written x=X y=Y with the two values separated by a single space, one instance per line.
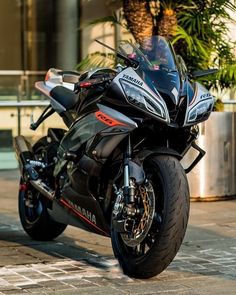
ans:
x=214 y=177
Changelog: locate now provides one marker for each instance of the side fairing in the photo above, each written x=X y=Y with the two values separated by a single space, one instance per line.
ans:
x=91 y=128
x=92 y=138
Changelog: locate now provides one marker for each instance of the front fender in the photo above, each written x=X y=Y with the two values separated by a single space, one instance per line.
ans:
x=144 y=154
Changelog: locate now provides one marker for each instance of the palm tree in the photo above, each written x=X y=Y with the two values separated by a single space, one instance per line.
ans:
x=139 y=18
x=167 y=25
x=196 y=28
x=143 y=18
x=146 y=18
x=201 y=38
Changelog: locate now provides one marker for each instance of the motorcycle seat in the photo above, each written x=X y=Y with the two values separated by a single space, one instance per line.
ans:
x=66 y=97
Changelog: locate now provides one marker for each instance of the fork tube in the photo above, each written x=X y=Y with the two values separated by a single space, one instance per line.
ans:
x=126 y=176
x=127 y=156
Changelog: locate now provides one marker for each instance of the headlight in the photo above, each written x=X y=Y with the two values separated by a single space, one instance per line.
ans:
x=145 y=101
x=200 y=105
x=200 y=111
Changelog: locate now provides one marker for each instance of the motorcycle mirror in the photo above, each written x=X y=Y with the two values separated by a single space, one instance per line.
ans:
x=202 y=73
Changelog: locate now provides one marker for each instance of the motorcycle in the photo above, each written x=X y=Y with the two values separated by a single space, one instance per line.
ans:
x=115 y=170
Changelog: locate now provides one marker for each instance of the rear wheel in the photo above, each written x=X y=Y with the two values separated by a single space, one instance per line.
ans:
x=33 y=207
x=158 y=233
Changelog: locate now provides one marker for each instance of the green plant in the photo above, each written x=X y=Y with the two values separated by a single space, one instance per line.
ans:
x=202 y=39
x=200 y=36
x=96 y=59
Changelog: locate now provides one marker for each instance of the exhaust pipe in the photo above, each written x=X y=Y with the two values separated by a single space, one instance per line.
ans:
x=25 y=154
x=28 y=163
x=43 y=188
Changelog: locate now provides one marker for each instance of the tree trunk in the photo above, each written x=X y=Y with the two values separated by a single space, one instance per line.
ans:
x=145 y=18
x=167 y=23
x=139 y=19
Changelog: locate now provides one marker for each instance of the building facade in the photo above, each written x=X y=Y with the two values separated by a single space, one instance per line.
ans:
x=39 y=34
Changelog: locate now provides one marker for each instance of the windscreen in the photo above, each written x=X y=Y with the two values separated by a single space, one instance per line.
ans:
x=157 y=65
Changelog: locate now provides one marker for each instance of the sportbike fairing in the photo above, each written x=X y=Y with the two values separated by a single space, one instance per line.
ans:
x=159 y=86
x=98 y=130
x=91 y=139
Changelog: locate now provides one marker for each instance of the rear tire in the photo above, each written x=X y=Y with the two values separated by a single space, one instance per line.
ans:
x=34 y=216
x=168 y=228
x=33 y=206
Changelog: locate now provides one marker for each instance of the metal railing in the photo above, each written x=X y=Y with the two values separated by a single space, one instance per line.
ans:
x=229 y=105
x=11 y=73
x=20 y=73
x=24 y=103
x=229 y=101
x=23 y=93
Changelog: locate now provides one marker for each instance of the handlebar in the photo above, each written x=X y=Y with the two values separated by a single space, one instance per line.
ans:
x=89 y=83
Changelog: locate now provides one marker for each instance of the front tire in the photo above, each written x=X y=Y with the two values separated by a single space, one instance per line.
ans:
x=162 y=242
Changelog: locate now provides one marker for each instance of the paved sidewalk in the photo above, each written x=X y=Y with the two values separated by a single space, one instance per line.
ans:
x=82 y=263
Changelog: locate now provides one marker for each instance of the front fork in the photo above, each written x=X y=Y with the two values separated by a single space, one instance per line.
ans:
x=124 y=207
x=129 y=186
x=125 y=196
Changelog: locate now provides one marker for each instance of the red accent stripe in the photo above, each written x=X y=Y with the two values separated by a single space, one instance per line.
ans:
x=64 y=202
x=23 y=187
x=107 y=119
x=85 y=84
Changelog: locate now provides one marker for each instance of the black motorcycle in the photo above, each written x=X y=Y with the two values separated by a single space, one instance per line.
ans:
x=116 y=170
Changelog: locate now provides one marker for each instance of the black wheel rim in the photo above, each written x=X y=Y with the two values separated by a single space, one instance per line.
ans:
x=32 y=205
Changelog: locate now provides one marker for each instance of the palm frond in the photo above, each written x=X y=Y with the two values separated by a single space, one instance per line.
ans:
x=95 y=60
x=228 y=72
x=194 y=44
x=181 y=34
x=223 y=80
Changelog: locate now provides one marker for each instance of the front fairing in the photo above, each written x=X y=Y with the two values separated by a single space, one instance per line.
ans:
x=157 y=66
x=167 y=84
x=159 y=85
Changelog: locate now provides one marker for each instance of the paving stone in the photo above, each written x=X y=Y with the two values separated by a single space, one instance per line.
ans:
x=15 y=292
x=76 y=282
x=78 y=262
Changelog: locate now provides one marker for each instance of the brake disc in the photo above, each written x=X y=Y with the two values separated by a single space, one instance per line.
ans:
x=142 y=223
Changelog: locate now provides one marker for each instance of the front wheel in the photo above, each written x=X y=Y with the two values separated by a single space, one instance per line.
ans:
x=164 y=199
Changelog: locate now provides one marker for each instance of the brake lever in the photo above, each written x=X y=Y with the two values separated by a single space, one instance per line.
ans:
x=86 y=84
